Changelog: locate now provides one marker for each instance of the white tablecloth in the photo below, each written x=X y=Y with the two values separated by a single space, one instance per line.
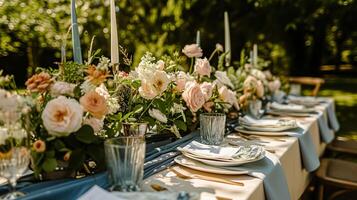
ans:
x=286 y=149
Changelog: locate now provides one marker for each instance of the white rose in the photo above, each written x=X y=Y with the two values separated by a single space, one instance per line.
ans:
x=158 y=115
x=160 y=81
x=62 y=116
x=95 y=123
x=222 y=79
x=62 y=88
x=147 y=91
x=229 y=97
x=160 y=65
x=202 y=67
x=258 y=74
x=102 y=91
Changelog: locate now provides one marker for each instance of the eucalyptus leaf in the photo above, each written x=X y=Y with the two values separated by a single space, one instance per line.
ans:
x=49 y=164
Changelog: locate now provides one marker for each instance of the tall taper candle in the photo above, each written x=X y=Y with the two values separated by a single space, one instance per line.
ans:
x=198 y=38
x=227 y=39
x=255 y=55
x=114 y=48
x=77 y=54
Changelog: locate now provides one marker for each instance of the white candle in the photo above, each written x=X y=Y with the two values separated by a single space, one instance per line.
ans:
x=114 y=48
x=198 y=38
x=251 y=57
x=76 y=43
x=227 y=39
x=255 y=55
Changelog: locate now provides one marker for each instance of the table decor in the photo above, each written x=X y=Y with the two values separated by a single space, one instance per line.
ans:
x=267 y=125
x=222 y=156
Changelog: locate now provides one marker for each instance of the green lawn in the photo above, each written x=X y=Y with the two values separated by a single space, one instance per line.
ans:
x=344 y=91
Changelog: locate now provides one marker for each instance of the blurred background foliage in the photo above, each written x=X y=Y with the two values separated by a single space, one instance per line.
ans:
x=297 y=36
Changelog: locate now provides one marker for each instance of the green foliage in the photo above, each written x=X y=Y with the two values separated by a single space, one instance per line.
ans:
x=72 y=72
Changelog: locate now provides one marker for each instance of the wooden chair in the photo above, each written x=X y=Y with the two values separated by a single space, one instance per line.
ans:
x=343 y=145
x=317 y=82
x=338 y=173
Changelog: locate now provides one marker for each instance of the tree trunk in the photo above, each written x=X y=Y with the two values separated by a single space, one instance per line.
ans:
x=32 y=56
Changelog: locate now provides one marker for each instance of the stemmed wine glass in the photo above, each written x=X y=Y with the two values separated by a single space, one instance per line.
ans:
x=14 y=146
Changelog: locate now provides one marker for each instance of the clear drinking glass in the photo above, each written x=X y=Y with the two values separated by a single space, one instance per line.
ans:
x=212 y=127
x=135 y=128
x=14 y=150
x=125 y=162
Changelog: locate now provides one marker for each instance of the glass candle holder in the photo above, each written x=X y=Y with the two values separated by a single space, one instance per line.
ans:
x=125 y=162
x=212 y=128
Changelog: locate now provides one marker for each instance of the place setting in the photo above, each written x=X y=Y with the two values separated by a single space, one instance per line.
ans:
x=212 y=152
x=290 y=109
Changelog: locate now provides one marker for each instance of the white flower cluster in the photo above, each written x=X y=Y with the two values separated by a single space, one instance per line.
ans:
x=104 y=63
x=154 y=80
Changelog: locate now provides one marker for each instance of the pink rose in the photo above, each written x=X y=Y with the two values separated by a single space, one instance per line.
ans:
x=260 y=89
x=229 y=97
x=202 y=67
x=181 y=79
x=193 y=96
x=207 y=89
x=192 y=50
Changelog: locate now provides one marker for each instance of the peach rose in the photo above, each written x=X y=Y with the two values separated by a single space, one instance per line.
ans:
x=243 y=100
x=193 y=96
x=67 y=156
x=39 y=82
x=250 y=84
x=94 y=103
x=202 y=67
x=39 y=146
x=160 y=81
x=229 y=97
x=192 y=50
x=207 y=89
x=260 y=89
x=62 y=116
x=208 y=106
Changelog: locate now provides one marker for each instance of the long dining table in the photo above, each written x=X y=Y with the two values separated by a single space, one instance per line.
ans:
x=286 y=148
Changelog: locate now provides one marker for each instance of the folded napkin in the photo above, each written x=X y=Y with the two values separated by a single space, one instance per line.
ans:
x=249 y=121
x=287 y=107
x=223 y=153
x=310 y=158
x=270 y=171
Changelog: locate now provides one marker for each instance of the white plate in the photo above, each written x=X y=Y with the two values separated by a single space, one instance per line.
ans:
x=289 y=113
x=269 y=129
x=249 y=132
x=190 y=163
x=222 y=163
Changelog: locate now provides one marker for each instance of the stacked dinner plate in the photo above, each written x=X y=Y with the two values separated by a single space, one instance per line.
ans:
x=305 y=101
x=214 y=159
x=290 y=110
x=272 y=127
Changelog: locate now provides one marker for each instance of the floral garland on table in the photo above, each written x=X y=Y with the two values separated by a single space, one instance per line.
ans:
x=78 y=106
